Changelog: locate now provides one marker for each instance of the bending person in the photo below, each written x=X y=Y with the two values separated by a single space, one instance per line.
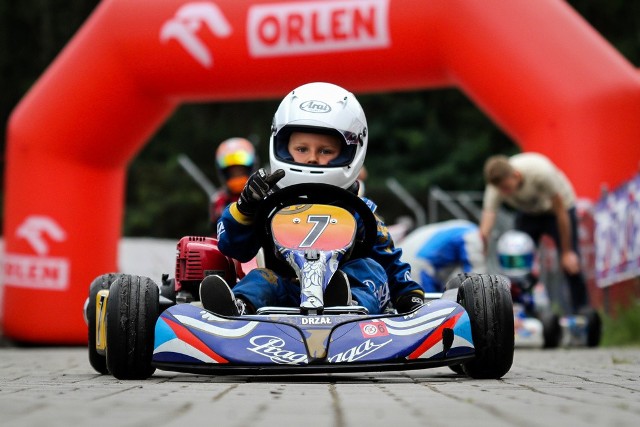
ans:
x=545 y=203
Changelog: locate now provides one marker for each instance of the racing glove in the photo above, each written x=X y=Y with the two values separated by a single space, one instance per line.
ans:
x=409 y=302
x=256 y=189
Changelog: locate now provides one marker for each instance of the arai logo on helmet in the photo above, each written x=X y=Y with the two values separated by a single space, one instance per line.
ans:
x=315 y=107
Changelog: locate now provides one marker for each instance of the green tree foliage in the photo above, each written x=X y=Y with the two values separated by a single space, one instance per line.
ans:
x=421 y=138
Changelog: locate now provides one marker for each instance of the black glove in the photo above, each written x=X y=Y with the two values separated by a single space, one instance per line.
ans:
x=409 y=302
x=256 y=189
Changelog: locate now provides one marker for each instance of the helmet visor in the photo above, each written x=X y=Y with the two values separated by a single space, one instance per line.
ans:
x=236 y=158
x=349 y=142
x=520 y=262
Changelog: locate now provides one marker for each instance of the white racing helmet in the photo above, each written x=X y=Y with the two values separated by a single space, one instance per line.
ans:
x=326 y=109
x=516 y=251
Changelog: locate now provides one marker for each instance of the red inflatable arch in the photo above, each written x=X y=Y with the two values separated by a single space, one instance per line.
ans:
x=536 y=68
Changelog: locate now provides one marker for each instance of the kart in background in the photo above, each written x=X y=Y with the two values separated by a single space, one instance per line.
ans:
x=537 y=326
x=308 y=231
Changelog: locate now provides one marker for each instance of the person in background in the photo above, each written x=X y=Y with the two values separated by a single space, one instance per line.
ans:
x=235 y=162
x=544 y=200
x=362 y=177
x=516 y=252
x=437 y=251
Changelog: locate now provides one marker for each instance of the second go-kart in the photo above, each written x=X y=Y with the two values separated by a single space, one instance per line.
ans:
x=540 y=327
x=536 y=324
x=308 y=231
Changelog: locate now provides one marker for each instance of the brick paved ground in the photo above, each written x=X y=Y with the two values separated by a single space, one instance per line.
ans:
x=56 y=387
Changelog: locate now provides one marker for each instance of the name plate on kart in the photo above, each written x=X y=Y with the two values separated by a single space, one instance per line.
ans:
x=313 y=226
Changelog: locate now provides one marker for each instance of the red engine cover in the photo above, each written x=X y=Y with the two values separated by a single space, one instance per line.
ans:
x=199 y=257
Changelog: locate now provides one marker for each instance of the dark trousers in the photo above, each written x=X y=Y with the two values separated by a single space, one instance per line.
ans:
x=537 y=225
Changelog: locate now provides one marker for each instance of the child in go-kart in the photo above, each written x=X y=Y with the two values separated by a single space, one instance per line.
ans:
x=319 y=135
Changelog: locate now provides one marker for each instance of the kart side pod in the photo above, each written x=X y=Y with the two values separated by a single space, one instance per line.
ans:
x=198 y=257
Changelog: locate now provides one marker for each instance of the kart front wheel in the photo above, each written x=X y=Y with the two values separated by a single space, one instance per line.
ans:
x=98 y=361
x=551 y=329
x=132 y=310
x=457 y=369
x=487 y=300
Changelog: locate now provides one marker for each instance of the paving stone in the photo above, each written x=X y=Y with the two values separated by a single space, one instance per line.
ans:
x=57 y=387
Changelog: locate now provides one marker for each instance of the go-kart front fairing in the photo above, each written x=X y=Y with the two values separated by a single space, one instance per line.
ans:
x=190 y=339
x=312 y=230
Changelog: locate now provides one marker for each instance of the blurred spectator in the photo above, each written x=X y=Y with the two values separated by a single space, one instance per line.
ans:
x=362 y=177
x=437 y=251
x=235 y=161
x=545 y=203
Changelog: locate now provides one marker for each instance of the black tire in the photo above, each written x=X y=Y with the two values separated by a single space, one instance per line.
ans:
x=456 y=281
x=132 y=311
x=551 y=329
x=487 y=300
x=97 y=360
x=457 y=369
x=594 y=326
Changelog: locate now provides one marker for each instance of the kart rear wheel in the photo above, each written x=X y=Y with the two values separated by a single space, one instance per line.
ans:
x=97 y=360
x=487 y=300
x=456 y=281
x=594 y=326
x=551 y=329
x=132 y=311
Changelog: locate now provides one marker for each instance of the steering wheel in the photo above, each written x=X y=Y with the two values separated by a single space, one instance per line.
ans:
x=313 y=193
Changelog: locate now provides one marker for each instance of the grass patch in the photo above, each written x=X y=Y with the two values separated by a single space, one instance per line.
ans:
x=621 y=360
x=623 y=329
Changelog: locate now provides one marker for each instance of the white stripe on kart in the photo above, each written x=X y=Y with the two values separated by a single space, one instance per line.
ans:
x=215 y=330
x=210 y=316
x=458 y=341
x=435 y=349
x=418 y=320
x=176 y=345
x=416 y=330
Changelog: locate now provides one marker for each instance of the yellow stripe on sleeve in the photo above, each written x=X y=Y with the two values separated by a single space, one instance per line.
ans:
x=239 y=216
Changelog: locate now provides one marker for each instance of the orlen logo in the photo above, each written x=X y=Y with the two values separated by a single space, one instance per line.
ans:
x=280 y=29
x=185 y=25
x=41 y=270
x=315 y=107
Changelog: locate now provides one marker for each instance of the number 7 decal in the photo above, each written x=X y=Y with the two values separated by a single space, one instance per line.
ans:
x=320 y=224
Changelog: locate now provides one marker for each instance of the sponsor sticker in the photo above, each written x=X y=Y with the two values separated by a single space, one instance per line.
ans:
x=358 y=352
x=40 y=271
x=101 y=320
x=30 y=271
x=312 y=106
x=281 y=29
x=220 y=229
x=373 y=329
x=186 y=25
x=382 y=292
x=273 y=348
x=315 y=320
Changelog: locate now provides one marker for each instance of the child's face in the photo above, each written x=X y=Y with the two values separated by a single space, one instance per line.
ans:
x=313 y=148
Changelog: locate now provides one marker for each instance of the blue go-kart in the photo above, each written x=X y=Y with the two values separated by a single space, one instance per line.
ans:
x=308 y=231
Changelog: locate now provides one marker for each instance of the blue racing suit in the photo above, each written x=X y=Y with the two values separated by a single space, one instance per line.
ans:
x=375 y=280
x=435 y=251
